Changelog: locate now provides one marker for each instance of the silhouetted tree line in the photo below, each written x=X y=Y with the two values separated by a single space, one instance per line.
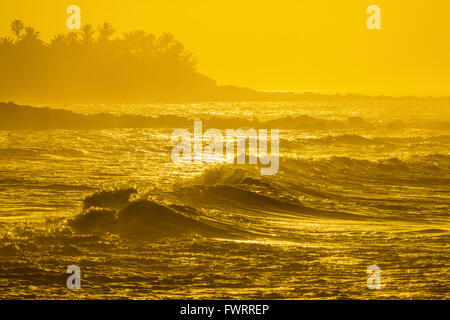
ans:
x=90 y=65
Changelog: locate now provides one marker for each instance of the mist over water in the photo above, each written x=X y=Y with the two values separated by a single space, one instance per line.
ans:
x=359 y=184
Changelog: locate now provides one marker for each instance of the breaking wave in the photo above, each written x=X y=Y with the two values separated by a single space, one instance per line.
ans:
x=229 y=201
x=113 y=211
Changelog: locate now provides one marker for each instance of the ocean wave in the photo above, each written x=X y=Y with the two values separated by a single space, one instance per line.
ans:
x=17 y=182
x=217 y=201
x=149 y=219
x=112 y=199
x=33 y=153
x=434 y=166
x=358 y=140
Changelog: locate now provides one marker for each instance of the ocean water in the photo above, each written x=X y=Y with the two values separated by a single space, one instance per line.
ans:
x=360 y=184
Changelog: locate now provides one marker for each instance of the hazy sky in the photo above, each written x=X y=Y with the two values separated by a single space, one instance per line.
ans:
x=319 y=45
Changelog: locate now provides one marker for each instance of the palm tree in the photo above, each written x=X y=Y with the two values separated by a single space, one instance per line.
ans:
x=138 y=42
x=31 y=35
x=105 y=32
x=6 y=41
x=164 y=41
x=87 y=33
x=17 y=27
x=134 y=38
x=58 y=41
x=149 y=43
x=71 y=38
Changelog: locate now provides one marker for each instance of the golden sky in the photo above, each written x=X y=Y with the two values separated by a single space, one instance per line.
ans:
x=318 y=45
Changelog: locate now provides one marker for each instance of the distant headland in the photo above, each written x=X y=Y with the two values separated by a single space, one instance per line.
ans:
x=90 y=66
